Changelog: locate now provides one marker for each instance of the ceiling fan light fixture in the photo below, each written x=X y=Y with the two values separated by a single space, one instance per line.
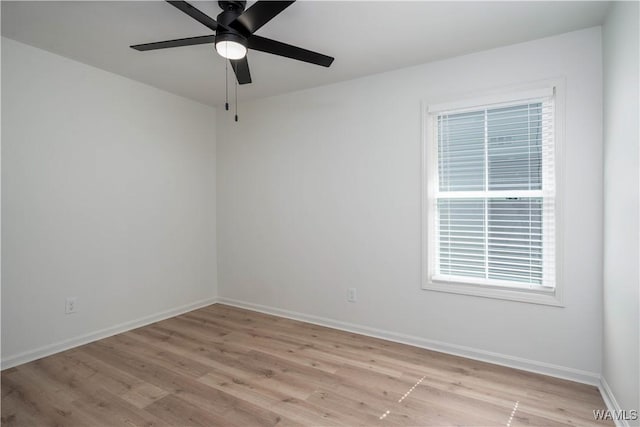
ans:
x=231 y=46
x=234 y=30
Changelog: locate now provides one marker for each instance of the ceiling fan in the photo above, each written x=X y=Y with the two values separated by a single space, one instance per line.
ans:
x=235 y=28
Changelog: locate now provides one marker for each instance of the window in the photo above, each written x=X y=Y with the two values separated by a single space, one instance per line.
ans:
x=491 y=202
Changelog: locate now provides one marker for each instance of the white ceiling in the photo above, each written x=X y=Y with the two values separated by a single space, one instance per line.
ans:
x=365 y=37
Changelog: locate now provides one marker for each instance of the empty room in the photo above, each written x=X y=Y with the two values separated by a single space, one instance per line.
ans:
x=320 y=213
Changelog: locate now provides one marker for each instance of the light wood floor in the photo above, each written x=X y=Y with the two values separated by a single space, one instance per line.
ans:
x=225 y=366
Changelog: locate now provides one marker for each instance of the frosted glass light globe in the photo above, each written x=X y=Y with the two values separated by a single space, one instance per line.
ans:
x=230 y=49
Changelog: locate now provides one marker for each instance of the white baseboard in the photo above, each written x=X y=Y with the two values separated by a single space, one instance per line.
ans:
x=463 y=351
x=538 y=367
x=611 y=402
x=47 y=350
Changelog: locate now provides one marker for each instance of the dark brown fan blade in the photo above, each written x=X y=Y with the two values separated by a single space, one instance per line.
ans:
x=258 y=15
x=282 y=49
x=195 y=14
x=189 y=41
x=241 y=68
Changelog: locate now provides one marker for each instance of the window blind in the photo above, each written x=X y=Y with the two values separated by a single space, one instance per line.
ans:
x=495 y=194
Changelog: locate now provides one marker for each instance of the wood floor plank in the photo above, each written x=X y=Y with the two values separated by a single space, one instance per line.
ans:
x=106 y=409
x=16 y=410
x=36 y=401
x=225 y=366
x=262 y=393
x=177 y=412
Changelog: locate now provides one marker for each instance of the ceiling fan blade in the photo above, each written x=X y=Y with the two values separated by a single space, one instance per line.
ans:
x=189 y=41
x=259 y=14
x=241 y=68
x=282 y=49
x=195 y=14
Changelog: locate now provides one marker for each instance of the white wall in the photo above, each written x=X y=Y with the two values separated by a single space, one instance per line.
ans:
x=319 y=190
x=621 y=359
x=108 y=194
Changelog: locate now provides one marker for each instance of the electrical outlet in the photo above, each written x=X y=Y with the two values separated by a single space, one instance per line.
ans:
x=351 y=294
x=71 y=305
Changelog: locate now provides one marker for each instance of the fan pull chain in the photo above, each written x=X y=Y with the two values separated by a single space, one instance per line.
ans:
x=226 y=85
x=236 y=100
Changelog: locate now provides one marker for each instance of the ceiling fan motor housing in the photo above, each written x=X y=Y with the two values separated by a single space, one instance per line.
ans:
x=231 y=9
x=232 y=4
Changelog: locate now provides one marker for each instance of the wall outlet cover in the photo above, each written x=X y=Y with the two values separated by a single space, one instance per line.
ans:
x=71 y=305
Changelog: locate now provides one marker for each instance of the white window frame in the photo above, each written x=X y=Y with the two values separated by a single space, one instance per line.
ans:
x=535 y=294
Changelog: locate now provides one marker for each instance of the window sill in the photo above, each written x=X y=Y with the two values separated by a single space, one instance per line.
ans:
x=511 y=294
